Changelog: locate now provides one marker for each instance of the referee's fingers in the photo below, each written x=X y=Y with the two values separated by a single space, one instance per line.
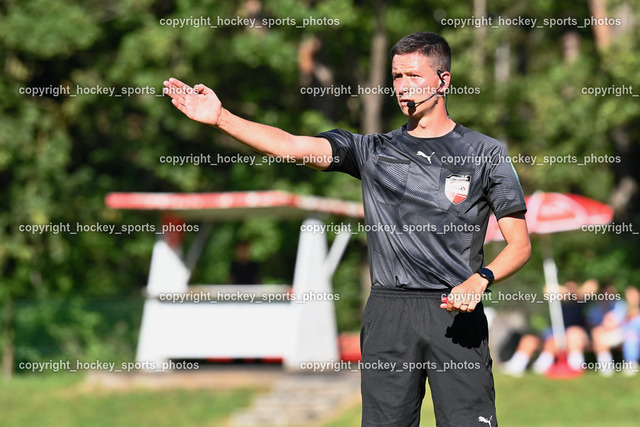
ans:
x=178 y=83
x=452 y=302
x=471 y=306
x=459 y=303
x=464 y=303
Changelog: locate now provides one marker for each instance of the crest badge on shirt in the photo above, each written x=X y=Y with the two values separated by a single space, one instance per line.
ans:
x=456 y=188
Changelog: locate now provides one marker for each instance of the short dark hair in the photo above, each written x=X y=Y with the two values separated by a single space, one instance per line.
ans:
x=431 y=45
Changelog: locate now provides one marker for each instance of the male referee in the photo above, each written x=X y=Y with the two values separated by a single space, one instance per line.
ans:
x=432 y=175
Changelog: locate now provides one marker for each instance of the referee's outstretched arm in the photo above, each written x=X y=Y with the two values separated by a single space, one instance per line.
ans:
x=201 y=104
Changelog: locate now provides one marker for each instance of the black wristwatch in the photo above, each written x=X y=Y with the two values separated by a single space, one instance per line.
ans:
x=487 y=274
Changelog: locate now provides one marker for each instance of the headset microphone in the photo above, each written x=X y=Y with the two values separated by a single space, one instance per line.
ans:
x=413 y=104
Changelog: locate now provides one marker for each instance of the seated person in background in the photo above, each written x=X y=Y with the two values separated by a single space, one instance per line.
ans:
x=606 y=302
x=620 y=326
x=575 y=329
x=529 y=344
x=244 y=271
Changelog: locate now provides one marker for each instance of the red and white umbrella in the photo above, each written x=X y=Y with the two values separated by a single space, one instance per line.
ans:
x=555 y=212
x=552 y=213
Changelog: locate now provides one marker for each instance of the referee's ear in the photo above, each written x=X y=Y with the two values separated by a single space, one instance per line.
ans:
x=445 y=79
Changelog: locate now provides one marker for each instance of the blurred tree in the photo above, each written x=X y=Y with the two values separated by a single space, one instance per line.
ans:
x=63 y=148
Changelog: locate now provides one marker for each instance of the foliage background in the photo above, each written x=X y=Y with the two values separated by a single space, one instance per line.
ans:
x=78 y=296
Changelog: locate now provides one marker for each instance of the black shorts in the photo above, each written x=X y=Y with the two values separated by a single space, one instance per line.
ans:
x=406 y=338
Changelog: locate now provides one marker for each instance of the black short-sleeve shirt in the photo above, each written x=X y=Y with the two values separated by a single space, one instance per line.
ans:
x=427 y=201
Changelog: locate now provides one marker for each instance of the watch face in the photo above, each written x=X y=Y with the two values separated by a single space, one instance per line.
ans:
x=487 y=274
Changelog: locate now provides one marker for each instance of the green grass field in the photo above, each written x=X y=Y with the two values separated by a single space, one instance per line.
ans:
x=56 y=400
x=532 y=400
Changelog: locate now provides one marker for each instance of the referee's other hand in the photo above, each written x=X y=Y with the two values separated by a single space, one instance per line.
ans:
x=466 y=296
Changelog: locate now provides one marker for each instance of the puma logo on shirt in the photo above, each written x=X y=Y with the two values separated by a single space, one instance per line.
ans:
x=420 y=153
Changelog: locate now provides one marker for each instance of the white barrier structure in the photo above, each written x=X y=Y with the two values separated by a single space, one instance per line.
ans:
x=296 y=324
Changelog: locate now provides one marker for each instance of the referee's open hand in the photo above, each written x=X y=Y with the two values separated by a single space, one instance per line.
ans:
x=199 y=103
x=466 y=296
